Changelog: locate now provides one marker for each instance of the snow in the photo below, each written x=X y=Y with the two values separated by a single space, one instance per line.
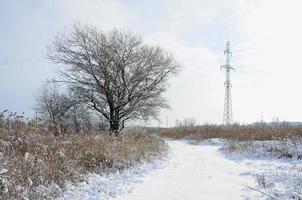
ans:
x=195 y=172
x=277 y=163
x=283 y=178
x=192 y=172
x=111 y=185
x=270 y=149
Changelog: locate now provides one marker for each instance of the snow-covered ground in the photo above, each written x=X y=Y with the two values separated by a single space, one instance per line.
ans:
x=111 y=185
x=276 y=165
x=193 y=172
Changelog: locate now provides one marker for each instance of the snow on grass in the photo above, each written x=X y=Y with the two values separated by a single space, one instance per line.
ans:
x=279 y=178
x=35 y=164
x=290 y=148
x=111 y=185
x=275 y=165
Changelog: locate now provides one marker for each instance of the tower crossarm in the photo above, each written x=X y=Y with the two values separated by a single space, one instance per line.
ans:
x=227 y=67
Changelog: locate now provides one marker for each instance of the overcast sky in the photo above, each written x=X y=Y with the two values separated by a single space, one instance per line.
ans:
x=265 y=36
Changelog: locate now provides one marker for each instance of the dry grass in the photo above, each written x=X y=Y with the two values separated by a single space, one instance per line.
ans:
x=34 y=157
x=281 y=141
x=237 y=132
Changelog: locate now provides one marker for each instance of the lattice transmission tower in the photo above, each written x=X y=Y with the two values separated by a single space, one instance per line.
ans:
x=227 y=113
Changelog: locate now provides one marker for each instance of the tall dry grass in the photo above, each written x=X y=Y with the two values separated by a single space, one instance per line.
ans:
x=236 y=132
x=33 y=157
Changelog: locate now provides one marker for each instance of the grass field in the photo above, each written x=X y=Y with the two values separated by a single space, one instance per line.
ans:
x=32 y=156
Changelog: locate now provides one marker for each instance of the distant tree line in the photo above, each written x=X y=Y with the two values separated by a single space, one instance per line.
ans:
x=185 y=123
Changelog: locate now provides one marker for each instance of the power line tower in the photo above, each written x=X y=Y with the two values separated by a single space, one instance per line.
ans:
x=227 y=113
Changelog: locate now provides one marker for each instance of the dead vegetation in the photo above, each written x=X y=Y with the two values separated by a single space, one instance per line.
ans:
x=236 y=132
x=280 y=141
x=34 y=158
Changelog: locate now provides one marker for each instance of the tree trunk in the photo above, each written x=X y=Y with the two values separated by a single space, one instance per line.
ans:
x=56 y=130
x=114 y=127
x=76 y=125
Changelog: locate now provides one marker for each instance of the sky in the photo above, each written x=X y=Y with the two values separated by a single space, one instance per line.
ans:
x=265 y=37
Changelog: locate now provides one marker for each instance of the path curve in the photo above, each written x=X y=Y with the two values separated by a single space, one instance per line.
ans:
x=195 y=172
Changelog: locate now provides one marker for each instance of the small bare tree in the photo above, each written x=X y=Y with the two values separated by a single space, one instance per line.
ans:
x=55 y=106
x=80 y=119
x=118 y=75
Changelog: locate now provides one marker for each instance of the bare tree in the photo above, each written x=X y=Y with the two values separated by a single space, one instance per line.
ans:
x=118 y=75
x=79 y=118
x=55 y=107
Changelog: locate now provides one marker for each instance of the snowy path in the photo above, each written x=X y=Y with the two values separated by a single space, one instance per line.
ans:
x=195 y=172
